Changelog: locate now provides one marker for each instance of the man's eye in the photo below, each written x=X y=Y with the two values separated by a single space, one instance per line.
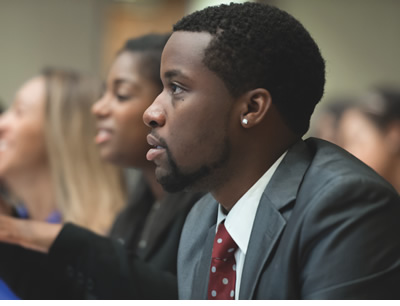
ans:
x=176 y=89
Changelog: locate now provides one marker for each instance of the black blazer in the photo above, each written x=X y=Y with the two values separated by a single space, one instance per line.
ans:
x=88 y=274
x=151 y=230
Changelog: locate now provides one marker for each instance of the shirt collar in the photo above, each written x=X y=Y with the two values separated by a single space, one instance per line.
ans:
x=239 y=221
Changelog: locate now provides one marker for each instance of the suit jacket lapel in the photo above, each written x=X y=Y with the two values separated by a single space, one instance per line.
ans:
x=202 y=273
x=264 y=236
x=195 y=248
x=274 y=210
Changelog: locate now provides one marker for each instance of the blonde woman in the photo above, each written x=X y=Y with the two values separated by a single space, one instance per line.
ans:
x=48 y=158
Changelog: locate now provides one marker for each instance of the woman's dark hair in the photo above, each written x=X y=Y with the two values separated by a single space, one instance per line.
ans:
x=381 y=106
x=150 y=46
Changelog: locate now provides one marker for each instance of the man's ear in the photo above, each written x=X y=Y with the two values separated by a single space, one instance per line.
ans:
x=255 y=106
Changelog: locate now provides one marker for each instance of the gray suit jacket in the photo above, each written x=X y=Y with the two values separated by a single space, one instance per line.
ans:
x=326 y=228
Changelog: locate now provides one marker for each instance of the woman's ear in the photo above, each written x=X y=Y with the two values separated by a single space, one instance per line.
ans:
x=255 y=106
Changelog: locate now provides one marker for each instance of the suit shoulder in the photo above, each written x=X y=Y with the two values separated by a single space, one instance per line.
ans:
x=333 y=164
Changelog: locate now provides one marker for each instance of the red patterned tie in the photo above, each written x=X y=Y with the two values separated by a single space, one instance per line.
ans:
x=221 y=285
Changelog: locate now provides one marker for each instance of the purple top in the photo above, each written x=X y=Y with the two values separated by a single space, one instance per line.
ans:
x=6 y=293
x=54 y=217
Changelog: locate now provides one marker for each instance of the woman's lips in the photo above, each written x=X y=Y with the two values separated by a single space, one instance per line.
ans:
x=102 y=136
x=3 y=146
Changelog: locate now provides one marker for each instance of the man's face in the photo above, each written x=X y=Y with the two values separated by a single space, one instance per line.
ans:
x=191 y=119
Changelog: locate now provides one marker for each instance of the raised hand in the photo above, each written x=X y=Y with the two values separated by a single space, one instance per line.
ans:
x=34 y=235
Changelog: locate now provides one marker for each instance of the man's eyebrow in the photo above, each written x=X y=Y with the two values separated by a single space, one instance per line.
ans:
x=174 y=73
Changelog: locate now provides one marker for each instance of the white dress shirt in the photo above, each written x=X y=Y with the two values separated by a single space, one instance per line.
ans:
x=240 y=219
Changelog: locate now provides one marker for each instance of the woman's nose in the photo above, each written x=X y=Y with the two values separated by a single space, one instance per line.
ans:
x=102 y=107
x=3 y=122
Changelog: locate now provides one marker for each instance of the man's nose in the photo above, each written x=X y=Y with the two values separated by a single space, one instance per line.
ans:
x=154 y=115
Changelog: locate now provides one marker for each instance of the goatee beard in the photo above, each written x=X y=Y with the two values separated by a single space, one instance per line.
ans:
x=176 y=180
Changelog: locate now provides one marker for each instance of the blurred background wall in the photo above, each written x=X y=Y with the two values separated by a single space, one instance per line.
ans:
x=360 y=39
x=35 y=33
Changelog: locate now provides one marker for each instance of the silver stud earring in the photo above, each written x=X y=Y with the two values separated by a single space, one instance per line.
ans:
x=245 y=121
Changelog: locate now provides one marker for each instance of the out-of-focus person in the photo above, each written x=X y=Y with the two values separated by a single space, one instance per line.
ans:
x=325 y=126
x=5 y=208
x=150 y=225
x=371 y=131
x=47 y=156
x=5 y=205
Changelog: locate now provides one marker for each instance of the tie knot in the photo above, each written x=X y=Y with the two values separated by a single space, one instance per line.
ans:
x=224 y=245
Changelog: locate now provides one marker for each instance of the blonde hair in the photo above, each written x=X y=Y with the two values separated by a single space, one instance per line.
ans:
x=88 y=191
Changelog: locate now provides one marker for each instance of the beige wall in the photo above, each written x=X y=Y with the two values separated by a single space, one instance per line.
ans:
x=359 y=39
x=35 y=33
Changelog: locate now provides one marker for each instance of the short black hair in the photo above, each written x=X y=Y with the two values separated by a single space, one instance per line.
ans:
x=259 y=46
x=151 y=47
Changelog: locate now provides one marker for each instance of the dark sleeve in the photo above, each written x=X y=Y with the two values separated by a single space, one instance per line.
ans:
x=351 y=244
x=26 y=272
x=96 y=267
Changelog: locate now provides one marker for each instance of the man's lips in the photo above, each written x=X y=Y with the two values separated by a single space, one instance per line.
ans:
x=157 y=148
x=103 y=135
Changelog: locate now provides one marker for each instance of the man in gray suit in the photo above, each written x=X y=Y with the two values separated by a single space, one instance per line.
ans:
x=309 y=220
